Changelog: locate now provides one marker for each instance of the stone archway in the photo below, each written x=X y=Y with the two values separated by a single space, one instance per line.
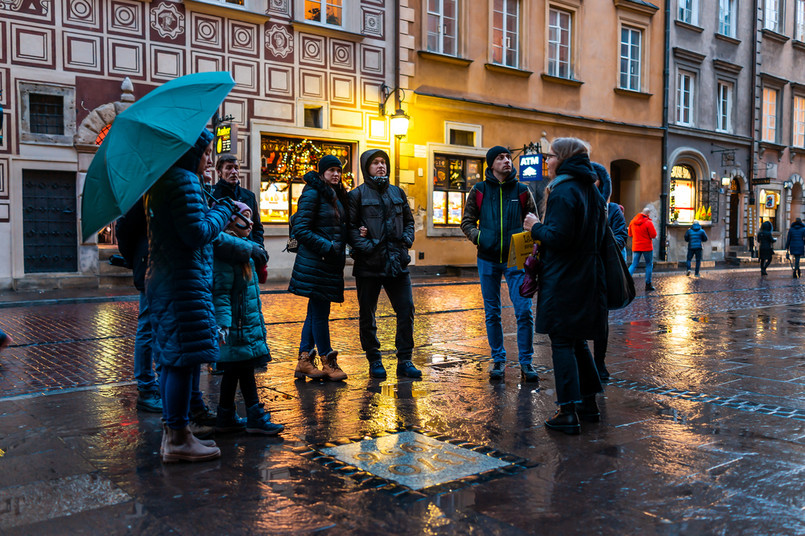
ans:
x=795 y=193
x=626 y=186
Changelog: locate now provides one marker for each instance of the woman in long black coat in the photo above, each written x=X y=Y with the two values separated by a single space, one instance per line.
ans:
x=320 y=227
x=571 y=306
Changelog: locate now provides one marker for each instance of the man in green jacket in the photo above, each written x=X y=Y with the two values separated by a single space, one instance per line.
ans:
x=494 y=211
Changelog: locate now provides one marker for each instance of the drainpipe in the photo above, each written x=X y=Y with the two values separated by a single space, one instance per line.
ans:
x=397 y=103
x=665 y=184
x=755 y=118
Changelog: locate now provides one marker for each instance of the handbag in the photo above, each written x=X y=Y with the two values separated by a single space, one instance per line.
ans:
x=532 y=268
x=620 y=285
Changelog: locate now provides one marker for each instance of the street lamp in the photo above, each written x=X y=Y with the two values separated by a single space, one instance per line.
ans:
x=400 y=120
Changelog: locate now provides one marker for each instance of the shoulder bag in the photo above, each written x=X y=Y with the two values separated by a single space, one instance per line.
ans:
x=620 y=285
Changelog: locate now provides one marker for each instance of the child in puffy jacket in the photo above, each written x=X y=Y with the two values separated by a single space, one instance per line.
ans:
x=242 y=334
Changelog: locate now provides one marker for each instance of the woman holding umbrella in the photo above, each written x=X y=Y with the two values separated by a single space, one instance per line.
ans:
x=181 y=230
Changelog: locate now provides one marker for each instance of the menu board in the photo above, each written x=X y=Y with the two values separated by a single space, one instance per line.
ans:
x=440 y=207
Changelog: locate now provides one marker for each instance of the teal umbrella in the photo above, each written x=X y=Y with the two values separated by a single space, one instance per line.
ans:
x=144 y=141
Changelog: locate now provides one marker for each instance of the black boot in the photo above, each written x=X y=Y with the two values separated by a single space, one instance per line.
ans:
x=565 y=420
x=588 y=410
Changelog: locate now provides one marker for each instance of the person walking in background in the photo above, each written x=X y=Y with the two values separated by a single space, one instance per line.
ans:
x=320 y=227
x=571 y=304
x=795 y=244
x=765 y=246
x=494 y=211
x=617 y=223
x=642 y=231
x=178 y=288
x=695 y=237
x=381 y=260
x=242 y=334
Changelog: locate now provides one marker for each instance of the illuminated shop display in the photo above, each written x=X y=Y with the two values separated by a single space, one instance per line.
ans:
x=453 y=176
x=682 y=202
x=283 y=162
x=768 y=202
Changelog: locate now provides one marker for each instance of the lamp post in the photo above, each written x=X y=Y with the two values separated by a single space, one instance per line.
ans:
x=398 y=123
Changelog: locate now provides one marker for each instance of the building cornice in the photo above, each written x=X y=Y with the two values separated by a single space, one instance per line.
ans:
x=773 y=80
x=638 y=6
x=726 y=66
x=444 y=58
x=688 y=55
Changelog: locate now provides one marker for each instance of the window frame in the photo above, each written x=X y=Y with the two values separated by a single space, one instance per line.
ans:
x=694 y=186
x=518 y=52
x=441 y=35
x=764 y=126
x=799 y=20
x=350 y=16
x=731 y=18
x=629 y=59
x=775 y=7
x=456 y=151
x=681 y=92
x=691 y=8
x=798 y=121
x=551 y=61
x=721 y=116
x=69 y=108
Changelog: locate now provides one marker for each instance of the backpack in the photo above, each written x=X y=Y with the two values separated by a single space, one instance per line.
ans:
x=293 y=245
x=522 y=196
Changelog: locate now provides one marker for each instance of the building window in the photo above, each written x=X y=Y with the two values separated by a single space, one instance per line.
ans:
x=313 y=117
x=771 y=15
x=769 y=118
x=799 y=25
x=46 y=114
x=630 y=56
x=799 y=122
x=687 y=11
x=559 y=43
x=682 y=194
x=443 y=26
x=283 y=162
x=684 y=98
x=453 y=176
x=506 y=33
x=726 y=17
x=724 y=107
x=324 y=11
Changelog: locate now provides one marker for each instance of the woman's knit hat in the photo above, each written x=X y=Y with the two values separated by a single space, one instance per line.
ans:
x=327 y=162
x=242 y=207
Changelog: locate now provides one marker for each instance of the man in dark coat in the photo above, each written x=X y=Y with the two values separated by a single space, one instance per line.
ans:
x=381 y=231
x=228 y=185
x=617 y=223
x=695 y=237
x=494 y=211
x=795 y=244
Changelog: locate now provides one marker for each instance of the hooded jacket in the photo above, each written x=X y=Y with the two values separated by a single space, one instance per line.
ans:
x=765 y=240
x=615 y=217
x=383 y=209
x=502 y=210
x=178 y=282
x=320 y=226
x=795 y=241
x=695 y=236
x=572 y=292
x=642 y=231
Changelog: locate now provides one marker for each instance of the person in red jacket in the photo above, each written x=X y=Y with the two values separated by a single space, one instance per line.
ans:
x=642 y=231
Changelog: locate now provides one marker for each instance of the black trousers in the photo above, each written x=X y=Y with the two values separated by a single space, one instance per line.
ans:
x=574 y=370
x=398 y=290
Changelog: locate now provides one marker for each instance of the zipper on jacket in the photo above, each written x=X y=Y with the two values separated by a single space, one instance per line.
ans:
x=500 y=196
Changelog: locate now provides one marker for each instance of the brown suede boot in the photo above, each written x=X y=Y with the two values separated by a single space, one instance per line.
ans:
x=306 y=366
x=182 y=446
x=329 y=366
x=205 y=442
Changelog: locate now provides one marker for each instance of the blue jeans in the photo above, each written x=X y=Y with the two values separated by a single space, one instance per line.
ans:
x=491 y=274
x=649 y=258
x=691 y=253
x=175 y=386
x=316 y=329
x=143 y=360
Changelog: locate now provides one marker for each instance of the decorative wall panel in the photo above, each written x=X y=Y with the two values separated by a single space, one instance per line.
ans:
x=342 y=89
x=125 y=17
x=168 y=23
x=372 y=61
x=279 y=43
x=342 y=55
x=246 y=75
x=83 y=14
x=8 y=133
x=312 y=49
x=278 y=111
x=370 y=95
x=166 y=63
x=238 y=109
x=32 y=46
x=372 y=22
x=243 y=39
x=203 y=63
x=3 y=42
x=346 y=118
x=279 y=81
x=83 y=53
x=4 y=193
x=374 y=2
x=206 y=31
x=312 y=84
x=279 y=7
x=38 y=10
x=126 y=58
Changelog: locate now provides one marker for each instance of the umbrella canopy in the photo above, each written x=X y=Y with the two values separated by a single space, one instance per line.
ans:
x=144 y=141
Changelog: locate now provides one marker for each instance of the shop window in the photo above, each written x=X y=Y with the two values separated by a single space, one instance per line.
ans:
x=283 y=162
x=683 y=194
x=462 y=137
x=769 y=201
x=453 y=176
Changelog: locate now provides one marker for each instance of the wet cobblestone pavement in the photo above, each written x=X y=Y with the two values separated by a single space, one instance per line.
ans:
x=702 y=431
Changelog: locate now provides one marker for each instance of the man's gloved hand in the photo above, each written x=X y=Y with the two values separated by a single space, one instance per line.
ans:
x=226 y=203
x=259 y=255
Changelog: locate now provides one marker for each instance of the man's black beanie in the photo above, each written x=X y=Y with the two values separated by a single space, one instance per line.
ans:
x=493 y=153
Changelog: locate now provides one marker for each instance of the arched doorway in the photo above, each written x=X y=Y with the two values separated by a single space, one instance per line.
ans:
x=626 y=186
x=735 y=216
x=796 y=201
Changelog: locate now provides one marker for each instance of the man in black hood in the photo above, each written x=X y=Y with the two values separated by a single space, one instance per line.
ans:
x=228 y=185
x=381 y=231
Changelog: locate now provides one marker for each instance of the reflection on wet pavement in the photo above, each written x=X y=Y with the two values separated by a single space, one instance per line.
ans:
x=702 y=431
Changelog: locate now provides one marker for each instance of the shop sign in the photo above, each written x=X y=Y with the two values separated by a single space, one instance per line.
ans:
x=750 y=220
x=531 y=167
x=761 y=181
x=226 y=139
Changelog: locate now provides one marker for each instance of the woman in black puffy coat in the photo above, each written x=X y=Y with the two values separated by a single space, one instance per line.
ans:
x=320 y=227
x=178 y=290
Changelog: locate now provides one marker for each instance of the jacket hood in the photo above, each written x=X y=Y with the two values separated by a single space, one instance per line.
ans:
x=606 y=182
x=191 y=159
x=695 y=226
x=765 y=226
x=578 y=166
x=488 y=175
x=797 y=224
x=639 y=219
x=366 y=159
